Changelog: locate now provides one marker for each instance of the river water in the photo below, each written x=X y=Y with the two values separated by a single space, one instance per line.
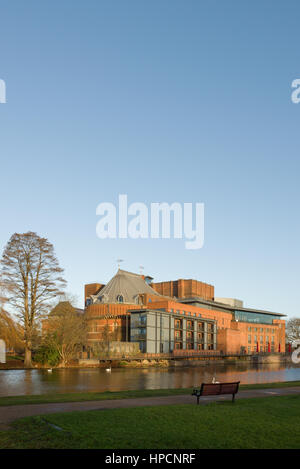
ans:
x=18 y=382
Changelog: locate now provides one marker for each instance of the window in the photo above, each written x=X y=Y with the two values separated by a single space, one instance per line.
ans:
x=120 y=299
x=249 y=339
x=177 y=323
x=260 y=318
x=261 y=339
x=142 y=347
x=143 y=320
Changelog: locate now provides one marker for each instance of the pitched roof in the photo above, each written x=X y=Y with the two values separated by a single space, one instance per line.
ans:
x=65 y=307
x=126 y=285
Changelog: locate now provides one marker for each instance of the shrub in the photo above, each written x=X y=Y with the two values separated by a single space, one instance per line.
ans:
x=47 y=355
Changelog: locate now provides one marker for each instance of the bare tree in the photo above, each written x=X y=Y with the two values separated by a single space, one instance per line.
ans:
x=32 y=278
x=292 y=330
x=65 y=330
x=11 y=332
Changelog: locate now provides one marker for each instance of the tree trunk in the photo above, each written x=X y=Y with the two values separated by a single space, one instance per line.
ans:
x=27 y=361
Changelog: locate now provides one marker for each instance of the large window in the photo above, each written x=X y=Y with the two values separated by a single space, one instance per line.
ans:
x=260 y=318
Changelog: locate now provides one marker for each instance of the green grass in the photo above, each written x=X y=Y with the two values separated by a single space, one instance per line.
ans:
x=99 y=396
x=272 y=422
x=14 y=357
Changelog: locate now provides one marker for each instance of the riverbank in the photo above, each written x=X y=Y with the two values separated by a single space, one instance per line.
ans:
x=256 y=423
x=101 y=396
x=156 y=362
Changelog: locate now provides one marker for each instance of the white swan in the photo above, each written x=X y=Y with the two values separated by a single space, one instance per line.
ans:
x=214 y=381
x=50 y=370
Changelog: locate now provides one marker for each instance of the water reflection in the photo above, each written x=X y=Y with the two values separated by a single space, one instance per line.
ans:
x=17 y=382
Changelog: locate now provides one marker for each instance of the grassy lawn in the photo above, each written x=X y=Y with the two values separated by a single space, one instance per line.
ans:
x=98 y=396
x=272 y=422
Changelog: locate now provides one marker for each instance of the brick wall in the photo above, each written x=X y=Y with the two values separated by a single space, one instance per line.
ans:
x=184 y=289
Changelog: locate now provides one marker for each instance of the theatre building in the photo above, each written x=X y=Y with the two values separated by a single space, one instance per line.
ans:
x=178 y=315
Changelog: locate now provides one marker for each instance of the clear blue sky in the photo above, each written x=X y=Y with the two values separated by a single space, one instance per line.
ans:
x=186 y=101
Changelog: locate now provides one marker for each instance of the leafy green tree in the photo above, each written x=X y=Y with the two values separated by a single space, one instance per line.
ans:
x=47 y=355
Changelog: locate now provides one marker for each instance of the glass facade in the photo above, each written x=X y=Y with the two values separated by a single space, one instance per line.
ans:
x=160 y=332
x=259 y=318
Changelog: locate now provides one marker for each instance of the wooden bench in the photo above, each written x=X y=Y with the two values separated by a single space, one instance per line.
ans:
x=216 y=389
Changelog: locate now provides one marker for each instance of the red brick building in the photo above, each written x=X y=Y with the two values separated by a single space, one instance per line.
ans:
x=227 y=325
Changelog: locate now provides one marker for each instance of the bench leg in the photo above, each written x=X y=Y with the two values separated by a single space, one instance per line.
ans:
x=198 y=398
x=233 y=396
